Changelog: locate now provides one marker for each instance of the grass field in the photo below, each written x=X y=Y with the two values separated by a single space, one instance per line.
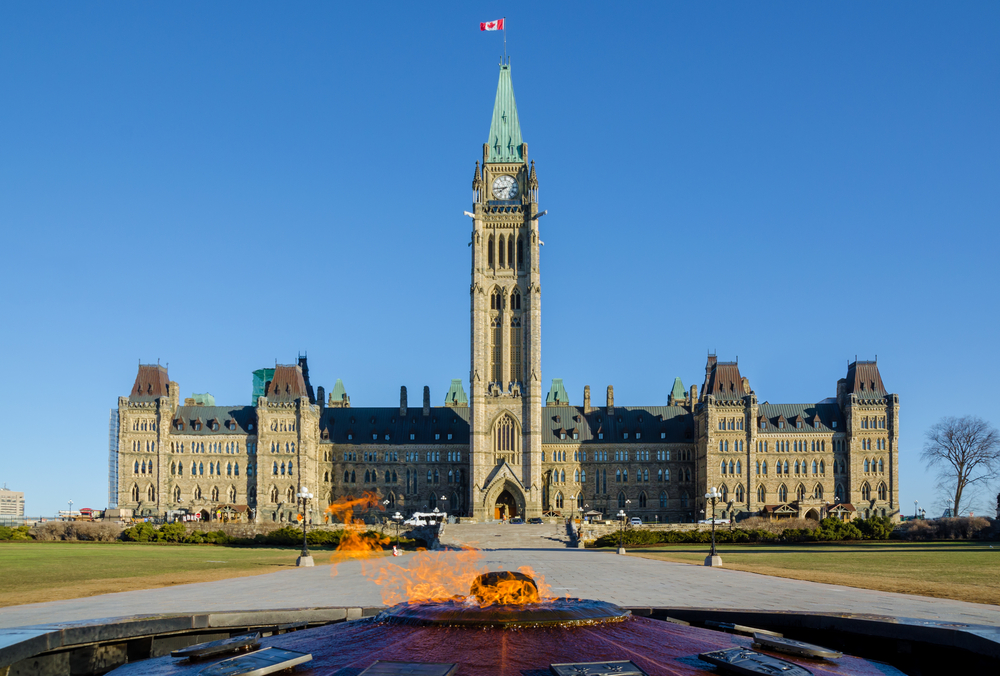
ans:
x=32 y=572
x=952 y=570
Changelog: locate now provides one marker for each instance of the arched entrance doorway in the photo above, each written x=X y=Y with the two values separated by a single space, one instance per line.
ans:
x=506 y=506
x=812 y=514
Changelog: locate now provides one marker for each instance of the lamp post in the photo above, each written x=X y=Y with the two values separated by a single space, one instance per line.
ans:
x=914 y=509
x=713 y=559
x=70 y=515
x=397 y=518
x=621 y=530
x=305 y=558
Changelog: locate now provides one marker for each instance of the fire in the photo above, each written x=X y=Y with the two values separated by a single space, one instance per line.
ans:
x=429 y=576
x=353 y=544
x=434 y=577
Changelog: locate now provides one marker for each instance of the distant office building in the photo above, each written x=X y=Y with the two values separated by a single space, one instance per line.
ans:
x=11 y=502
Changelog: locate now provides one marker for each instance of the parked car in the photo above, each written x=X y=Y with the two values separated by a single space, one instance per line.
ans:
x=717 y=521
x=535 y=520
x=635 y=521
x=517 y=521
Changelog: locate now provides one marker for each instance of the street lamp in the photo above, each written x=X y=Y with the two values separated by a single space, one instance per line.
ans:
x=397 y=517
x=621 y=530
x=914 y=509
x=713 y=559
x=305 y=558
x=70 y=509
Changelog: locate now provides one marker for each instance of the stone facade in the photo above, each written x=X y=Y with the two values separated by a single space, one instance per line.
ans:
x=505 y=451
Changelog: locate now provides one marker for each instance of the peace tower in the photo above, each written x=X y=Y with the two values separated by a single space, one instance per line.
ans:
x=505 y=317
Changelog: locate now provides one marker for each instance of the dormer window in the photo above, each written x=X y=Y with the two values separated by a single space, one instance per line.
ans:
x=763 y=425
x=449 y=436
x=349 y=436
x=374 y=436
x=576 y=435
x=816 y=423
x=834 y=424
x=781 y=425
x=231 y=425
x=325 y=434
x=437 y=436
x=412 y=436
x=663 y=435
x=557 y=419
x=179 y=424
x=600 y=435
x=624 y=435
x=798 y=425
x=562 y=435
x=638 y=435
x=250 y=426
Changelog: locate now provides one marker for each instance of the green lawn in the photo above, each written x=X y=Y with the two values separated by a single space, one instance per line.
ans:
x=960 y=570
x=47 y=571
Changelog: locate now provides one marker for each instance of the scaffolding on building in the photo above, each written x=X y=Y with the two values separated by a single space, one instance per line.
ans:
x=113 y=459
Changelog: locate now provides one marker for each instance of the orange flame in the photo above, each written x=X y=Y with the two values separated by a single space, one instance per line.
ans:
x=353 y=543
x=430 y=577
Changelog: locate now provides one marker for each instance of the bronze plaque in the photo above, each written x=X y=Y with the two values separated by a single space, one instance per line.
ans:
x=749 y=663
x=787 y=645
x=380 y=668
x=613 y=668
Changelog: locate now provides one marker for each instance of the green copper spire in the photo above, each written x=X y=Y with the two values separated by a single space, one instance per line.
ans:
x=505 y=131
x=678 y=392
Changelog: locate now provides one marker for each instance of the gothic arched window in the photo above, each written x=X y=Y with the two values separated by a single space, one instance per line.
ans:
x=151 y=493
x=500 y=253
x=866 y=491
x=215 y=493
x=800 y=492
x=506 y=438
x=881 y=491
x=818 y=492
x=559 y=500
x=663 y=499
x=739 y=493
x=642 y=500
x=496 y=347
x=515 y=343
x=177 y=493
x=489 y=252
x=520 y=253
x=782 y=493
x=274 y=495
x=761 y=494
x=510 y=251
x=621 y=501
x=135 y=493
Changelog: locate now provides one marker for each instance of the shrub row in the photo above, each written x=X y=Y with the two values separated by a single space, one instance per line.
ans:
x=77 y=530
x=829 y=530
x=19 y=533
x=958 y=528
x=287 y=536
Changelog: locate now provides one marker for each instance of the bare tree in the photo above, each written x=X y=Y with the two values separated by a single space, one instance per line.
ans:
x=965 y=452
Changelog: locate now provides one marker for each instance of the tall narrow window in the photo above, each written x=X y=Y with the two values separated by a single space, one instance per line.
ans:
x=495 y=342
x=515 y=347
x=515 y=299
x=489 y=252
x=520 y=253
x=510 y=251
x=500 y=253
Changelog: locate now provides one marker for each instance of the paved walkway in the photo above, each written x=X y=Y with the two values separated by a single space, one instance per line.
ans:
x=603 y=575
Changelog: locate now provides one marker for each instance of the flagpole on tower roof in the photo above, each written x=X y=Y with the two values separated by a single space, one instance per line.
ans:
x=505 y=38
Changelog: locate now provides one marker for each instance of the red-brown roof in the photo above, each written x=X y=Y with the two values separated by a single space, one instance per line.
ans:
x=287 y=385
x=864 y=380
x=723 y=379
x=151 y=382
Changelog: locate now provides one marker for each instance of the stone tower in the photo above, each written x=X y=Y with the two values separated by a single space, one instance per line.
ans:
x=505 y=373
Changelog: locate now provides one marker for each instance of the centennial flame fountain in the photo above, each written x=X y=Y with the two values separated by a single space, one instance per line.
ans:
x=446 y=613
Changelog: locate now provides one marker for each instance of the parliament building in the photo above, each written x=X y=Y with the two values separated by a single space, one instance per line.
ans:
x=507 y=448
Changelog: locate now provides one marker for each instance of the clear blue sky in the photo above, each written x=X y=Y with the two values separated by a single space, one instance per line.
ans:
x=221 y=185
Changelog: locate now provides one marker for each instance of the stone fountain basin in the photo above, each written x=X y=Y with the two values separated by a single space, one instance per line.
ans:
x=659 y=648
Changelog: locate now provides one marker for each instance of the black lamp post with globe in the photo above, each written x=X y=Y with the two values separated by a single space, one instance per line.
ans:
x=713 y=559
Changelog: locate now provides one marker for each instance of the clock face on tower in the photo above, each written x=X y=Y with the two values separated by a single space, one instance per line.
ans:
x=505 y=188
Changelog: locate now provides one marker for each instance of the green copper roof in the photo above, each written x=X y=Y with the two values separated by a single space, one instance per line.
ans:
x=505 y=131
x=557 y=395
x=456 y=394
x=338 y=391
x=203 y=399
x=678 y=391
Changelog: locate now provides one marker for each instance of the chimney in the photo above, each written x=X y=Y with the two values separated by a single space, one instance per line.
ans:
x=693 y=397
x=427 y=400
x=611 y=399
x=402 y=401
x=586 y=399
x=321 y=396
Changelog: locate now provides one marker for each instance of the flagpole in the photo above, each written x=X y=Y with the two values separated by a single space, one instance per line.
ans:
x=505 y=38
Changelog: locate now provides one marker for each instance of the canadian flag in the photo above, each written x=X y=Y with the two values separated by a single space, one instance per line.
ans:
x=491 y=25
